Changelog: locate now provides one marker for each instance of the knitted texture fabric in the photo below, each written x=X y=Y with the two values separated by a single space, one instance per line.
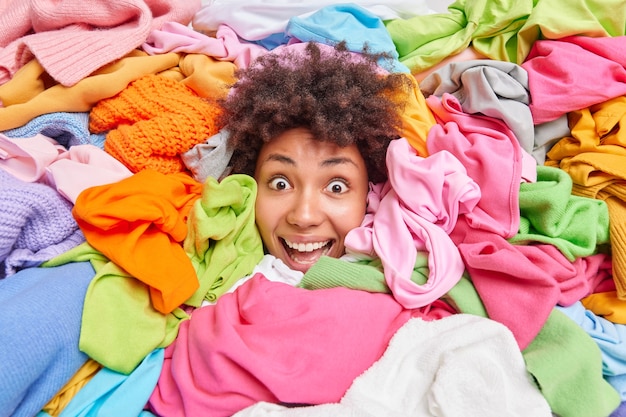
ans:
x=36 y=224
x=152 y=122
x=73 y=38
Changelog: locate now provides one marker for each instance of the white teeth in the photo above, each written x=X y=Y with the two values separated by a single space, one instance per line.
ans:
x=307 y=247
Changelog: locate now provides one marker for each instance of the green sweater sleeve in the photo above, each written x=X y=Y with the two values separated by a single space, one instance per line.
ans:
x=327 y=272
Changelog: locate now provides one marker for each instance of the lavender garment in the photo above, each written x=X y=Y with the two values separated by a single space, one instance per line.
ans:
x=36 y=224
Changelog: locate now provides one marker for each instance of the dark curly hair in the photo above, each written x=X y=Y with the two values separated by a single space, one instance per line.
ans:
x=339 y=98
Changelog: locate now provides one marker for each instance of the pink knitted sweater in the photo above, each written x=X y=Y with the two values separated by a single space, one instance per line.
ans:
x=73 y=38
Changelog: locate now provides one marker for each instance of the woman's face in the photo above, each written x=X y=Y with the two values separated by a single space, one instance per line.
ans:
x=310 y=194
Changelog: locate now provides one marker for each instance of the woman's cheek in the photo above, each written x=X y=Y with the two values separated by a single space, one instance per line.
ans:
x=349 y=214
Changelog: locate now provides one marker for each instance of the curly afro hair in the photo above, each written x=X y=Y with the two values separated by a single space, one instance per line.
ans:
x=341 y=97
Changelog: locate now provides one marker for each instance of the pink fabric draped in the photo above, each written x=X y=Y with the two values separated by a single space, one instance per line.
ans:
x=269 y=341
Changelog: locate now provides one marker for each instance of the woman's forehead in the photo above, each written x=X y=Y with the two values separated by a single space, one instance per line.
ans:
x=299 y=145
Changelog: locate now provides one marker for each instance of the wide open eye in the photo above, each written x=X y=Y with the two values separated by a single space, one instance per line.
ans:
x=337 y=186
x=279 y=183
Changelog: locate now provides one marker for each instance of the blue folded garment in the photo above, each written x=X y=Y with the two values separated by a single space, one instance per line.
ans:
x=40 y=320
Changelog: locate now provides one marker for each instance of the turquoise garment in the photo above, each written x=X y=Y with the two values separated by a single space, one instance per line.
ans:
x=350 y=23
x=610 y=338
x=110 y=393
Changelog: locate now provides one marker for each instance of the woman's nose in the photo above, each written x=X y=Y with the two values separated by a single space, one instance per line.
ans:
x=305 y=211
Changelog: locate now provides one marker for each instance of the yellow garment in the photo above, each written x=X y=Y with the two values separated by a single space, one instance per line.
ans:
x=62 y=398
x=206 y=76
x=593 y=129
x=595 y=158
x=27 y=82
x=417 y=119
x=81 y=97
x=607 y=305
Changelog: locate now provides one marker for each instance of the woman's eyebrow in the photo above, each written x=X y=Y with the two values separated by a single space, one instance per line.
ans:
x=280 y=158
x=337 y=161
x=325 y=163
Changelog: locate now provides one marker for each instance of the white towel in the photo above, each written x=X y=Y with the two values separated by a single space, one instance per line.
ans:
x=462 y=365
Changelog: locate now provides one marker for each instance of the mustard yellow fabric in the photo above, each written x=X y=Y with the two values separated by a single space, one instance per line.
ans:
x=595 y=157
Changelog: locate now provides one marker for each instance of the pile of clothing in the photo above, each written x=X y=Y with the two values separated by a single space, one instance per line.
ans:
x=132 y=277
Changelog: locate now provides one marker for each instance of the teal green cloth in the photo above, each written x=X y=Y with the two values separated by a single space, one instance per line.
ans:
x=500 y=29
x=550 y=214
x=110 y=393
x=223 y=241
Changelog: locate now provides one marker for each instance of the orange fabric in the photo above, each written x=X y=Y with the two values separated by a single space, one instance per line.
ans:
x=607 y=305
x=139 y=223
x=152 y=122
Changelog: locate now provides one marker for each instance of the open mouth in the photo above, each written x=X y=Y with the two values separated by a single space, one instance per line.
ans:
x=306 y=253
